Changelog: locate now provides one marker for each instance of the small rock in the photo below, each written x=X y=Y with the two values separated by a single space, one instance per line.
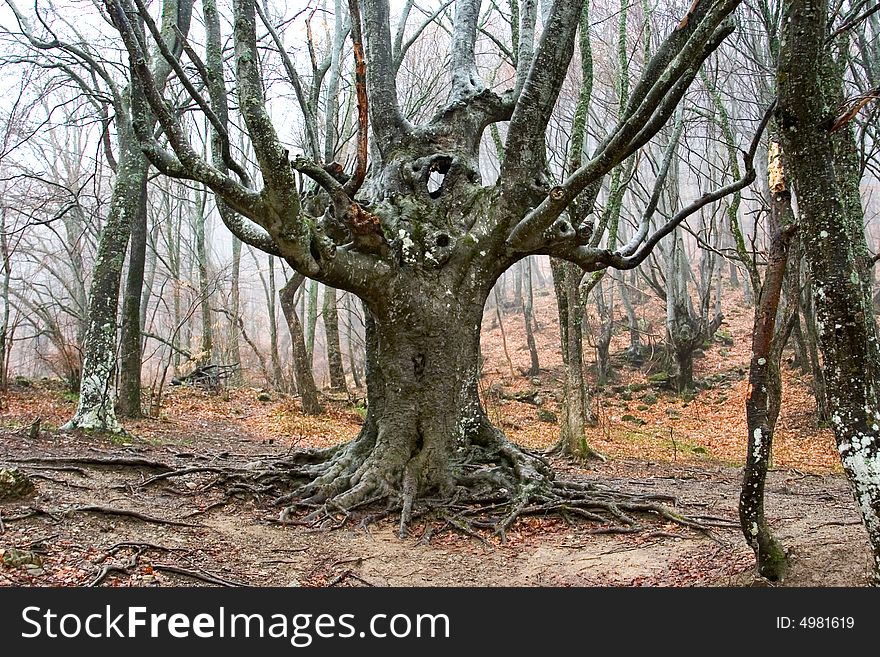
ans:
x=536 y=381
x=14 y=484
x=35 y=572
x=264 y=397
x=547 y=416
x=294 y=583
x=15 y=558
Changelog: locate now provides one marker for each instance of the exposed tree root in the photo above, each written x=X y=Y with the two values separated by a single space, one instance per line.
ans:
x=492 y=486
x=98 y=460
x=57 y=514
x=488 y=486
x=130 y=566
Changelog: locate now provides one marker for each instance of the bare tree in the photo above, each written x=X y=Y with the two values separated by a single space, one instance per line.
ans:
x=424 y=254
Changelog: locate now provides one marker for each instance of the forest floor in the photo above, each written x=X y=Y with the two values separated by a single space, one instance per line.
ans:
x=79 y=520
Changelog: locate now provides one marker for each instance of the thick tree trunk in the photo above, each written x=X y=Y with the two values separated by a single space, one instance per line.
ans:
x=130 y=343
x=302 y=369
x=832 y=228
x=426 y=431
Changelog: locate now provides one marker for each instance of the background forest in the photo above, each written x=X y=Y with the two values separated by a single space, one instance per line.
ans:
x=660 y=321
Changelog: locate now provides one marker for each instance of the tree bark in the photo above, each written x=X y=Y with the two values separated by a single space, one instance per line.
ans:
x=575 y=414
x=528 y=305
x=836 y=250
x=206 y=349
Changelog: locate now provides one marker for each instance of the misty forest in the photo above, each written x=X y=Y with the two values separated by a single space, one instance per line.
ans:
x=439 y=292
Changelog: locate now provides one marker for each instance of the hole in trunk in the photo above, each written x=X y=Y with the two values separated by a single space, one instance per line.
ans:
x=435 y=182
x=437 y=174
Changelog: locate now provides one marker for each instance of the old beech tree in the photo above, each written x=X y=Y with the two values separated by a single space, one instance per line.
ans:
x=423 y=260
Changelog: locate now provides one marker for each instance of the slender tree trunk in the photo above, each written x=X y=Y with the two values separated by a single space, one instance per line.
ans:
x=206 y=349
x=765 y=391
x=575 y=412
x=4 y=293
x=95 y=409
x=499 y=313
x=811 y=343
x=277 y=372
x=528 y=304
x=350 y=333
x=331 y=330
x=634 y=352
x=130 y=343
x=311 y=320
x=305 y=381
x=235 y=310
x=605 y=309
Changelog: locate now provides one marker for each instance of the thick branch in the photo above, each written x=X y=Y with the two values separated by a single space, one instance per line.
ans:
x=524 y=149
x=360 y=84
x=388 y=122
x=636 y=127
x=465 y=79
x=592 y=259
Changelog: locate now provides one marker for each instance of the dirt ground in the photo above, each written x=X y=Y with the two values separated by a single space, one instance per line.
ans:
x=241 y=543
x=656 y=442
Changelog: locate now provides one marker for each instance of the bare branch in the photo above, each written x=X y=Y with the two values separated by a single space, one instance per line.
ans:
x=311 y=123
x=388 y=122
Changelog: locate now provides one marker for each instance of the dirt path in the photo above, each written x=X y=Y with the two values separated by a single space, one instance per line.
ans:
x=240 y=542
